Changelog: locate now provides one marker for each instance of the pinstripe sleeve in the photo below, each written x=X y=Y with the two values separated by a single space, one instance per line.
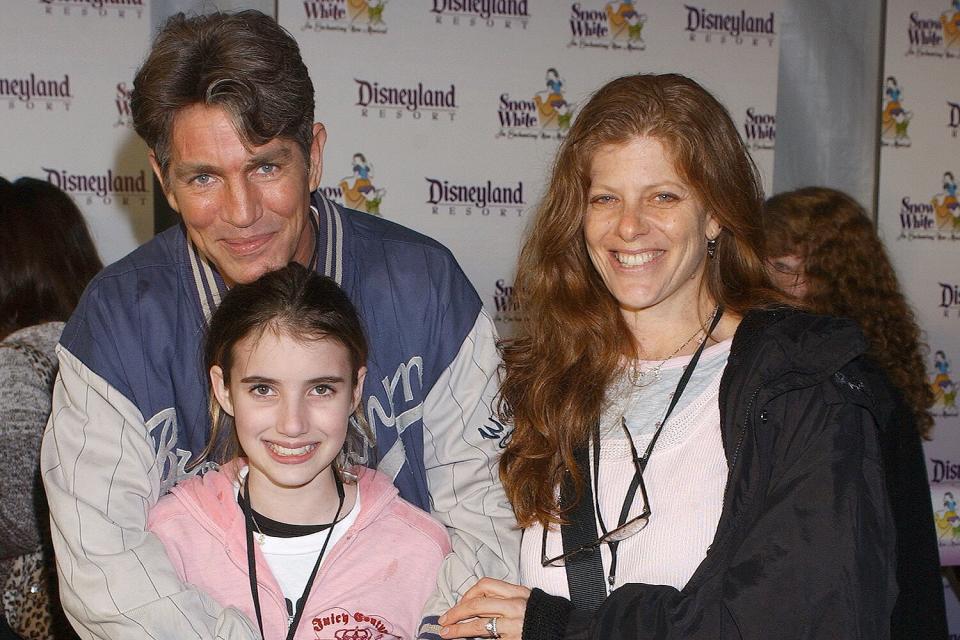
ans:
x=461 y=450
x=100 y=474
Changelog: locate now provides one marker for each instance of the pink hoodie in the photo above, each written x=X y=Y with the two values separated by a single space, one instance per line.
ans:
x=373 y=583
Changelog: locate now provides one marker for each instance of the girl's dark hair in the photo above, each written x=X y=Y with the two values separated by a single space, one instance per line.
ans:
x=292 y=301
x=46 y=254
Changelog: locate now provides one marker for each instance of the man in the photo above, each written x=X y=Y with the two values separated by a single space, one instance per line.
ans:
x=226 y=106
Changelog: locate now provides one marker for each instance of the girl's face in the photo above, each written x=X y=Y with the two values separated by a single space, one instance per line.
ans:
x=290 y=400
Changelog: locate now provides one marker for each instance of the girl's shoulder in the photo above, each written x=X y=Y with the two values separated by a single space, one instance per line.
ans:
x=209 y=494
x=379 y=498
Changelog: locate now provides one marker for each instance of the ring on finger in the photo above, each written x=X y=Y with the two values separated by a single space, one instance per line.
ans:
x=491 y=627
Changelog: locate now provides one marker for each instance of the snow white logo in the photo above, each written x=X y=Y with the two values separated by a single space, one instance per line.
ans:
x=617 y=26
x=935 y=36
x=351 y=16
x=943 y=386
x=895 y=119
x=546 y=115
x=358 y=189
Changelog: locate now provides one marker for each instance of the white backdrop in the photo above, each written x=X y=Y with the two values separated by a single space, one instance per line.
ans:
x=66 y=68
x=919 y=219
x=477 y=94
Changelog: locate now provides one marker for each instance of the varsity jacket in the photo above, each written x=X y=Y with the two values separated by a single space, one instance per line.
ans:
x=805 y=544
x=130 y=413
x=373 y=582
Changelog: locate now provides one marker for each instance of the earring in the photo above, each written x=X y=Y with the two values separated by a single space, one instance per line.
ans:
x=712 y=247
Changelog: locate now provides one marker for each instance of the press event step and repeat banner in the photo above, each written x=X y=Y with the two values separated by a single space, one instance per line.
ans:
x=66 y=70
x=445 y=115
x=919 y=219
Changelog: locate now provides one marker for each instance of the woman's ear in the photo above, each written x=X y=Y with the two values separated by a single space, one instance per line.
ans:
x=358 y=388
x=220 y=389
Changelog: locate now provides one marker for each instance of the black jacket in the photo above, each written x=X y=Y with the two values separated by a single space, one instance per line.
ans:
x=920 y=613
x=805 y=543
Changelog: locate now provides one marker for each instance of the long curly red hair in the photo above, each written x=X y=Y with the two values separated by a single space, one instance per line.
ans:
x=573 y=338
x=848 y=273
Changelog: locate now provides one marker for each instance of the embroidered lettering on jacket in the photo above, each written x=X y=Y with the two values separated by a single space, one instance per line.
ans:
x=339 y=624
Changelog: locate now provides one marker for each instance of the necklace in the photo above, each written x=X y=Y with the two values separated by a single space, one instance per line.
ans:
x=645 y=377
x=259 y=536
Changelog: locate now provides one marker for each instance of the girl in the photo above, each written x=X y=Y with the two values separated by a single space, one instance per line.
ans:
x=286 y=531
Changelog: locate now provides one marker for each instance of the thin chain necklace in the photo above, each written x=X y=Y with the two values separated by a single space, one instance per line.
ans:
x=260 y=537
x=645 y=377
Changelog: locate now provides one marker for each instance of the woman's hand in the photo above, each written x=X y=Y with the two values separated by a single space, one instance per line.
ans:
x=487 y=599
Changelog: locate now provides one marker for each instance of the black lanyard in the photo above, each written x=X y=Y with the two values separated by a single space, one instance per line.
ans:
x=252 y=564
x=642 y=461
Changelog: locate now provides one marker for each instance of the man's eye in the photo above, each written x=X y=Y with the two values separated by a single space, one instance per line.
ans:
x=202 y=179
x=267 y=169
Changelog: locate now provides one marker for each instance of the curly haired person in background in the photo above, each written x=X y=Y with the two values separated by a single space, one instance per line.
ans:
x=826 y=253
x=46 y=261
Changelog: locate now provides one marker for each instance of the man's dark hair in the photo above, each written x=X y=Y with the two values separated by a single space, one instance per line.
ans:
x=244 y=63
x=46 y=254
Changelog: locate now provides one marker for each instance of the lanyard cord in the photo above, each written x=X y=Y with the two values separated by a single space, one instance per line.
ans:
x=252 y=564
x=642 y=461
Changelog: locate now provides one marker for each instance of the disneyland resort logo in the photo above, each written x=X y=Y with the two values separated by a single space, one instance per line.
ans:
x=347 y=16
x=484 y=199
x=949 y=299
x=894 y=117
x=933 y=35
x=933 y=218
x=609 y=25
x=34 y=92
x=944 y=389
x=100 y=8
x=357 y=190
x=378 y=100
x=546 y=114
x=759 y=129
x=508 y=14
x=710 y=26
x=103 y=188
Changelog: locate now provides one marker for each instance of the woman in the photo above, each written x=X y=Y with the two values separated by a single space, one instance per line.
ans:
x=46 y=260
x=715 y=459
x=826 y=253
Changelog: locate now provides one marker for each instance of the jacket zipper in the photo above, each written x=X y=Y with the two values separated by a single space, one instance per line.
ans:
x=736 y=453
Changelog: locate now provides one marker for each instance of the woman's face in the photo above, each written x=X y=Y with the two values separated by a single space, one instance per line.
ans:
x=645 y=229
x=291 y=400
x=788 y=275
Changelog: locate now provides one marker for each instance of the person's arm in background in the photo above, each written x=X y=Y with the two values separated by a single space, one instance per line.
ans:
x=101 y=474
x=24 y=407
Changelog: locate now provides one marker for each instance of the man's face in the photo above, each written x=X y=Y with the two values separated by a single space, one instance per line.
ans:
x=244 y=208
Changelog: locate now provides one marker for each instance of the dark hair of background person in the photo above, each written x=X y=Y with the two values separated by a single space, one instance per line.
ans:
x=47 y=256
x=295 y=302
x=847 y=273
x=571 y=341
x=244 y=63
